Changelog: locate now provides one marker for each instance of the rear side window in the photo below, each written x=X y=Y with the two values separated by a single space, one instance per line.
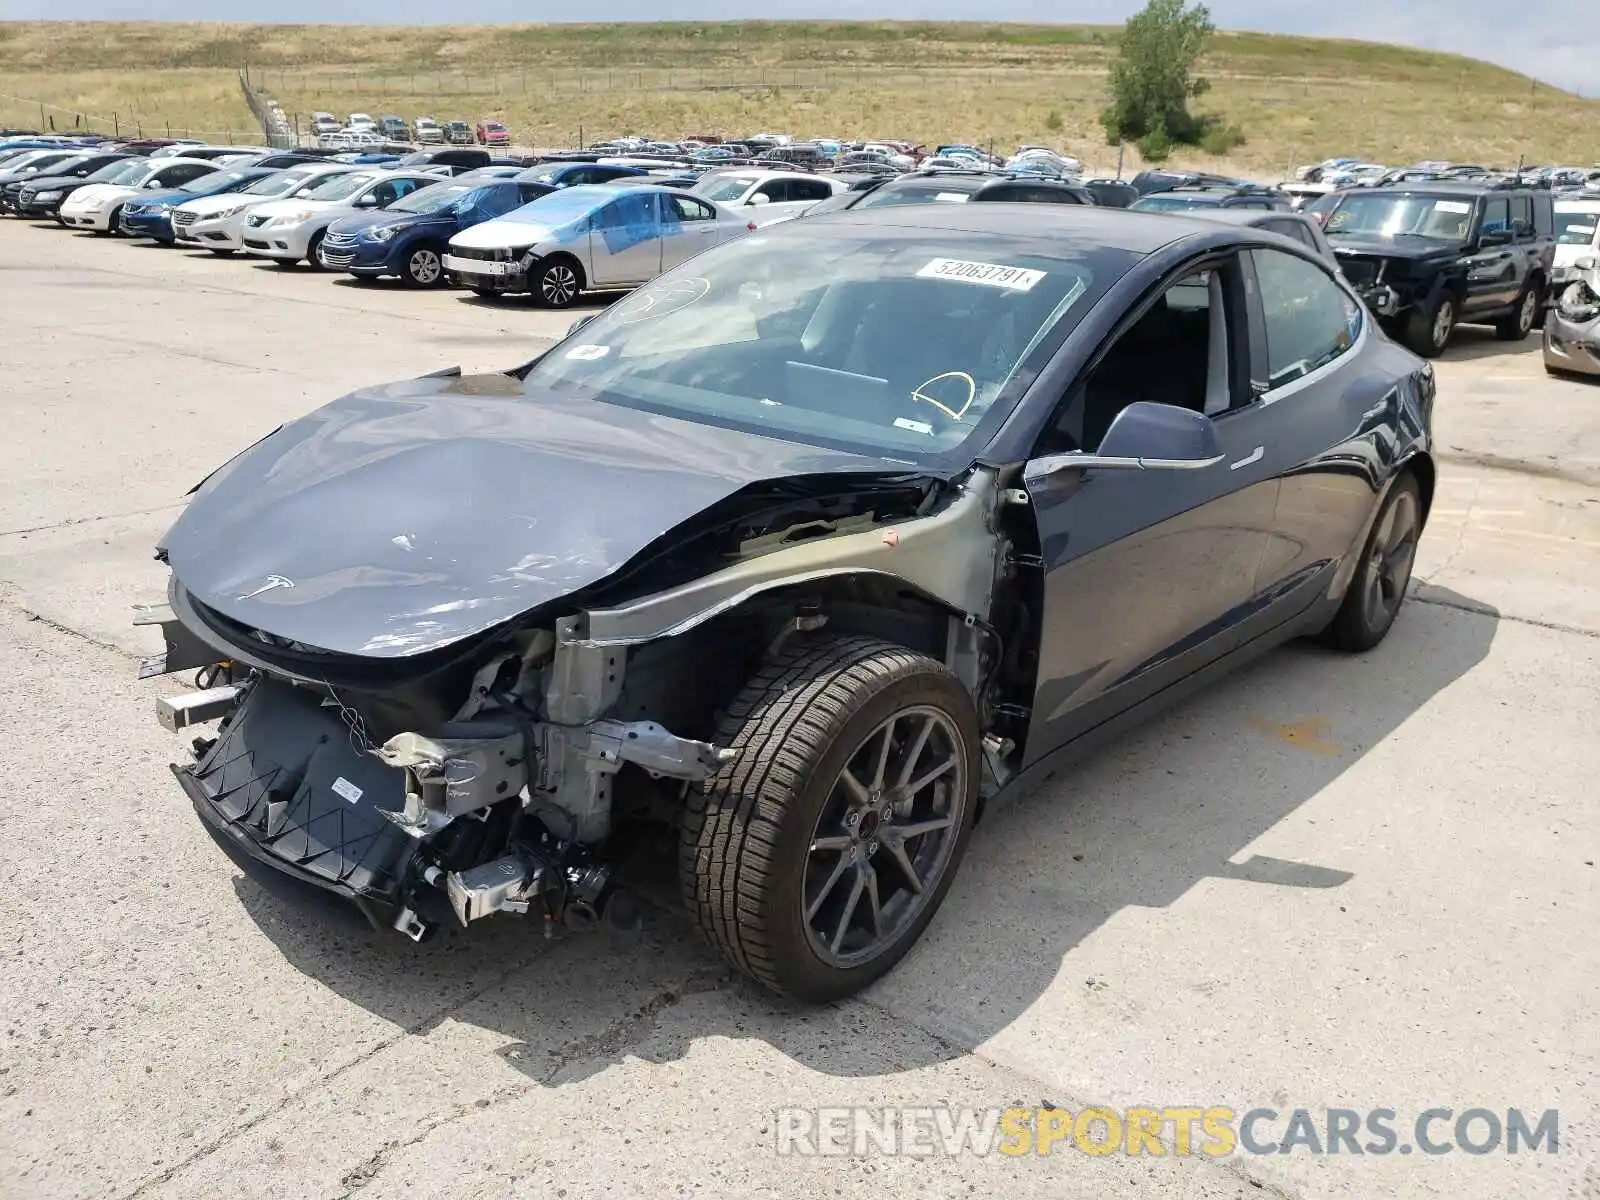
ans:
x=1543 y=216
x=1522 y=216
x=809 y=189
x=775 y=190
x=1309 y=321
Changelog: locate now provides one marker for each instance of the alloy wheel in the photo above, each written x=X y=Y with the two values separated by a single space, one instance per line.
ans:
x=424 y=266
x=1525 y=314
x=884 y=836
x=1443 y=322
x=1388 y=567
x=559 y=285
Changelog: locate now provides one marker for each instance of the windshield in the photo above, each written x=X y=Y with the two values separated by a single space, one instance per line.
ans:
x=216 y=181
x=883 y=340
x=1576 y=228
x=1168 y=203
x=1400 y=214
x=722 y=189
x=275 y=185
x=341 y=187
x=560 y=207
x=932 y=192
x=431 y=199
x=125 y=171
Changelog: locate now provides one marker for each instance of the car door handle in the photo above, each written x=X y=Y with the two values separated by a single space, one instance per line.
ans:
x=1253 y=457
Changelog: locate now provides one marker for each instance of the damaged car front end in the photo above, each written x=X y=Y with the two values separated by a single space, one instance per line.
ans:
x=1572 y=325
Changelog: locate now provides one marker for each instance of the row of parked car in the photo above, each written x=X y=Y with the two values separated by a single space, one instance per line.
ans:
x=1424 y=254
x=361 y=130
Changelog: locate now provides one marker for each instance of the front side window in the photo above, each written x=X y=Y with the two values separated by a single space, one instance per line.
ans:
x=889 y=341
x=1496 y=216
x=1309 y=320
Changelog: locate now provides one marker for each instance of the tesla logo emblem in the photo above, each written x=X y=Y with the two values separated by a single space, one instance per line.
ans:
x=272 y=581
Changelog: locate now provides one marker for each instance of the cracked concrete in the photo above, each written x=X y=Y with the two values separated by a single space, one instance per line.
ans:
x=1217 y=910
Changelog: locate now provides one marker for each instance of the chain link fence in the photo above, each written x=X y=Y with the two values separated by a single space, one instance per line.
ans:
x=26 y=112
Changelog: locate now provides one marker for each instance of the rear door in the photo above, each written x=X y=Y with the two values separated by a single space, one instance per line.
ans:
x=625 y=240
x=1319 y=412
x=1149 y=575
x=689 y=225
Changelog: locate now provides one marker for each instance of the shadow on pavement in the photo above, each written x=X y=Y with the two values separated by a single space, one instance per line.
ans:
x=1061 y=853
x=1473 y=343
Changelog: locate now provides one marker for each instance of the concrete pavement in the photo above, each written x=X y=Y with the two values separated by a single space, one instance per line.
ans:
x=1329 y=882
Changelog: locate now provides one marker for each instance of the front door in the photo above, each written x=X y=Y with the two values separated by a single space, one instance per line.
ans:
x=1147 y=573
x=625 y=240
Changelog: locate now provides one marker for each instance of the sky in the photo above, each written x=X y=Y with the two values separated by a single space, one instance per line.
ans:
x=1557 y=41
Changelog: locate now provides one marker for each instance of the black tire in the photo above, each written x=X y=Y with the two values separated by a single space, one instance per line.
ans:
x=1524 y=316
x=422 y=267
x=752 y=830
x=1378 y=586
x=221 y=251
x=558 y=282
x=485 y=293
x=314 y=251
x=114 y=220
x=1427 y=331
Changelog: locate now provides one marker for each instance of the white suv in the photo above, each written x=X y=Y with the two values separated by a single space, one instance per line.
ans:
x=771 y=195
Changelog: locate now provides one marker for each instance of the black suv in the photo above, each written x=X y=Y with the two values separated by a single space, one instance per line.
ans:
x=1425 y=256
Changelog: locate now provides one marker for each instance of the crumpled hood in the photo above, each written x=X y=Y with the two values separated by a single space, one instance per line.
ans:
x=491 y=235
x=1382 y=247
x=399 y=519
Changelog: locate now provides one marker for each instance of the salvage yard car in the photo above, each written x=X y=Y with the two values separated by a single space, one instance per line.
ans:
x=217 y=222
x=1572 y=326
x=581 y=238
x=1577 y=237
x=149 y=214
x=776 y=194
x=98 y=206
x=291 y=231
x=408 y=238
x=1425 y=256
x=793 y=558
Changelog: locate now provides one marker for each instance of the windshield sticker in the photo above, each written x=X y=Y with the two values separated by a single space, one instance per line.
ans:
x=1014 y=279
x=588 y=353
x=913 y=426
x=954 y=397
x=951 y=197
x=347 y=789
x=1452 y=206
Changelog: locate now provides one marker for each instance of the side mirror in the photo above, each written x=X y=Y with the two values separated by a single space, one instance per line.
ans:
x=759 y=199
x=1145 y=436
x=367 y=201
x=1495 y=237
x=579 y=324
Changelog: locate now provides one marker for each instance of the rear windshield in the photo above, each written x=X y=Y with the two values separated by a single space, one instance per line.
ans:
x=932 y=192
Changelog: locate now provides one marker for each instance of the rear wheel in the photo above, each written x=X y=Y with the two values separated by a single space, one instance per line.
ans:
x=816 y=857
x=1427 y=331
x=1519 y=322
x=1378 y=587
x=422 y=267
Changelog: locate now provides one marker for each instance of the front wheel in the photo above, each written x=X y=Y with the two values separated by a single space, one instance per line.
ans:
x=814 y=859
x=1378 y=587
x=422 y=267
x=1428 y=330
x=314 y=252
x=557 y=283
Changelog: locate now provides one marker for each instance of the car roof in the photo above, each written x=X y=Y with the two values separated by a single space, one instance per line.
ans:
x=1065 y=227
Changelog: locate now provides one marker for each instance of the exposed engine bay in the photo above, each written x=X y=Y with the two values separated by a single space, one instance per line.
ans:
x=511 y=770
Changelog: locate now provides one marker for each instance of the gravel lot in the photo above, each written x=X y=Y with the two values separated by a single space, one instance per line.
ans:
x=1356 y=882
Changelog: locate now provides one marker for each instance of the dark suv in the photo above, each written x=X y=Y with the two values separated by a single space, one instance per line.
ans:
x=1426 y=256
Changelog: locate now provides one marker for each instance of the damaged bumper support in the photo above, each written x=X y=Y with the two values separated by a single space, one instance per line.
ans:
x=289 y=785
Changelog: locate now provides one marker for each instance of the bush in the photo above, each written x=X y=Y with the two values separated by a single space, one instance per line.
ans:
x=1218 y=139
x=1155 y=146
x=1052 y=122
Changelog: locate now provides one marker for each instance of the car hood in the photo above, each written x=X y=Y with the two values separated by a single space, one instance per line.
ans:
x=206 y=206
x=489 y=235
x=95 y=193
x=1382 y=247
x=276 y=208
x=1567 y=255
x=400 y=519
x=359 y=222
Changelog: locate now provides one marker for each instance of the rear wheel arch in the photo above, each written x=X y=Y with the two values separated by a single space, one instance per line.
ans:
x=1421 y=467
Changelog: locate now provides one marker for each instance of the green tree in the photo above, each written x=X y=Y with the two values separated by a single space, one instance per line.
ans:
x=1153 y=79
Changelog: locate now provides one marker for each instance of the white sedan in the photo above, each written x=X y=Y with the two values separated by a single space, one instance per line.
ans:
x=98 y=206
x=291 y=231
x=216 y=223
x=766 y=196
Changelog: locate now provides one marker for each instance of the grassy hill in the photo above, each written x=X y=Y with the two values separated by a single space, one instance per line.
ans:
x=1298 y=99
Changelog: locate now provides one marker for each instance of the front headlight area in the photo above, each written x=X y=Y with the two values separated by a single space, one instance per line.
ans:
x=382 y=233
x=1578 y=302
